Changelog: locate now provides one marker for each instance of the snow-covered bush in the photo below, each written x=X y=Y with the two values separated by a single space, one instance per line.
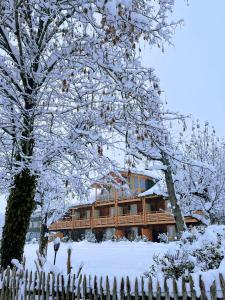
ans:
x=90 y=237
x=199 y=249
x=172 y=265
x=163 y=238
x=140 y=238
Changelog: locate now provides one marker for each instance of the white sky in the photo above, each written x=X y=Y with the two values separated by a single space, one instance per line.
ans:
x=192 y=73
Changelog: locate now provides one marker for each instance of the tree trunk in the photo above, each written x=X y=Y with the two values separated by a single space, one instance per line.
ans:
x=20 y=206
x=43 y=244
x=180 y=224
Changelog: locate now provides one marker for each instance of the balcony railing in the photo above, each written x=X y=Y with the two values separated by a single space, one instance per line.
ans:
x=130 y=219
x=103 y=221
x=121 y=220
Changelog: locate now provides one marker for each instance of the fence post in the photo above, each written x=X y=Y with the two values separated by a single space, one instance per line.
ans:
x=184 y=290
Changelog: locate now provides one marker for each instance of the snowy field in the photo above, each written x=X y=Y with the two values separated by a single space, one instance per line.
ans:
x=107 y=258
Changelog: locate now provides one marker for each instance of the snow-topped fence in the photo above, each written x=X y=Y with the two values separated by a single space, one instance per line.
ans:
x=45 y=286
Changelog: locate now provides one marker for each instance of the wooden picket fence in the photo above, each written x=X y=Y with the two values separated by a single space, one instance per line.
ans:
x=25 y=285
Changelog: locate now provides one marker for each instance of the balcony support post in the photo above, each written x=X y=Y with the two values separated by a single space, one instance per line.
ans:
x=92 y=215
x=144 y=210
x=116 y=208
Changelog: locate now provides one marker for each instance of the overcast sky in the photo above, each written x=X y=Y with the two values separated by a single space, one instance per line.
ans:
x=192 y=73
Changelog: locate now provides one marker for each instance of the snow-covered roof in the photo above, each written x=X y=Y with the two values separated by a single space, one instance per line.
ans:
x=158 y=188
x=155 y=174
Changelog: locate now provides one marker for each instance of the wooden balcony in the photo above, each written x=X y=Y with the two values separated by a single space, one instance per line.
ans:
x=124 y=220
x=127 y=220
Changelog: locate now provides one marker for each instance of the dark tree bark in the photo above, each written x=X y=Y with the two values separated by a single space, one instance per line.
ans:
x=19 y=209
x=180 y=224
x=43 y=244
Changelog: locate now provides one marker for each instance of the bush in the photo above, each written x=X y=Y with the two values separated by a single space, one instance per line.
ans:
x=199 y=249
x=90 y=237
x=173 y=265
x=163 y=238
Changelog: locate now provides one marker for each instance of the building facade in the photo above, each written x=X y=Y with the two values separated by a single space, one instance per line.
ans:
x=123 y=212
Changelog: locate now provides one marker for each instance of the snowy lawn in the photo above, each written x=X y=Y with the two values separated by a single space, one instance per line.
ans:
x=107 y=258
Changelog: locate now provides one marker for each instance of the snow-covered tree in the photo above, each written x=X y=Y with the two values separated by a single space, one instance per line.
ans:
x=144 y=126
x=201 y=179
x=65 y=69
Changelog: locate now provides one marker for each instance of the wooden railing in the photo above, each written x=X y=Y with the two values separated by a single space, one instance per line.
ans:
x=130 y=219
x=159 y=218
x=62 y=225
x=124 y=220
x=103 y=221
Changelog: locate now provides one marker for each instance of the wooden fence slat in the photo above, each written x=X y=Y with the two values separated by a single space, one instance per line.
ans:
x=142 y=289
x=17 y=288
x=114 y=294
x=213 y=293
x=107 y=286
x=53 y=286
x=25 y=285
x=128 y=288
x=158 y=291
x=136 y=292
x=84 y=288
x=101 y=289
x=68 y=288
x=166 y=290
x=14 y=284
x=175 y=290
x=3 y=288
x=122 y=294
x=150 y=293
x=184 y=290
x=30 y=285
x=48 y=287
x=90 y=288
x=40 y=285
x=43 y=286
x=192 y=290
x=73 y=287
x=35 y=284
x=222 y=284
x=79 y=288
x=62 y=288
x=202 y=288
x=57 y=287
x=95 y=289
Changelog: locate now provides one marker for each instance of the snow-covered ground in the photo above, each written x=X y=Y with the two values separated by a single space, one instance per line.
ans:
x=107 y=258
